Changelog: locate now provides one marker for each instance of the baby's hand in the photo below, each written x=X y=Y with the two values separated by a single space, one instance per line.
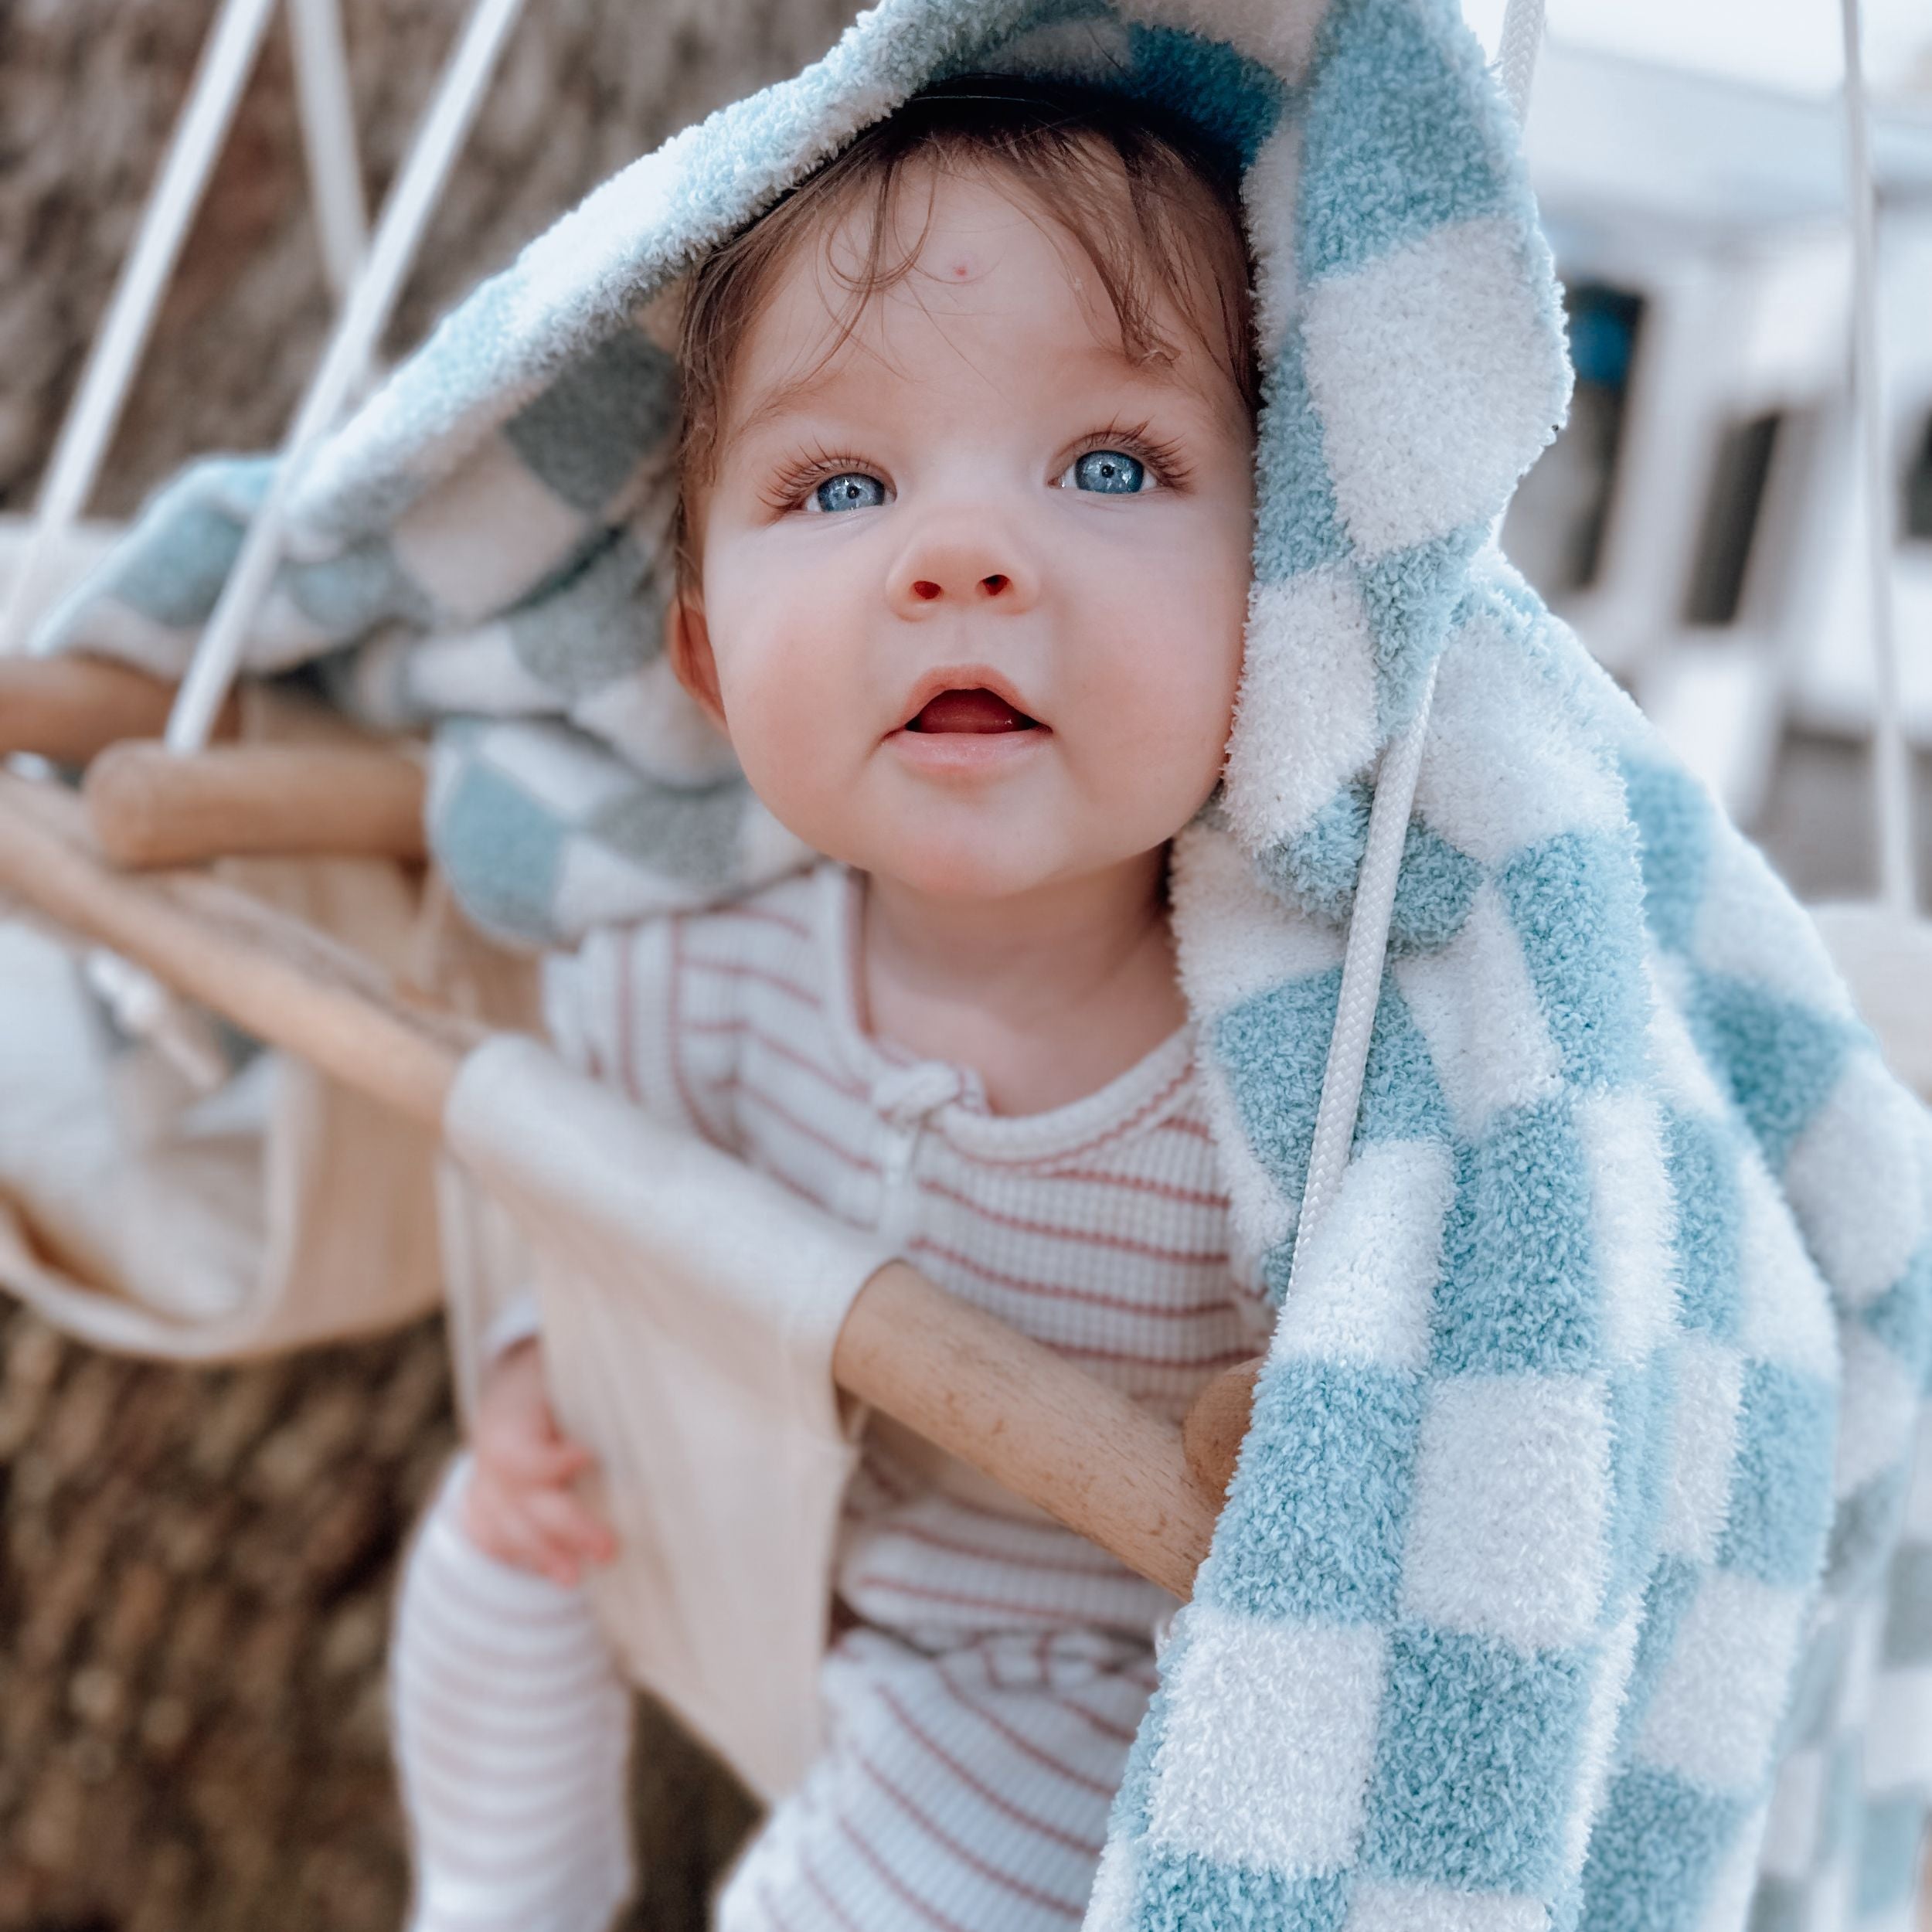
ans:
x=518 y=1507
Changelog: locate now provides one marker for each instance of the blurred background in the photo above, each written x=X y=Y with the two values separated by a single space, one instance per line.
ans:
x=195 y=1566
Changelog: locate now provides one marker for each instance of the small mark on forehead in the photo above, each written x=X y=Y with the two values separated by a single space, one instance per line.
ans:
x=962 y=267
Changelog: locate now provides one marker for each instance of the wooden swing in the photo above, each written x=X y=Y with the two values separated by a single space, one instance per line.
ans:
x=1140 y=1488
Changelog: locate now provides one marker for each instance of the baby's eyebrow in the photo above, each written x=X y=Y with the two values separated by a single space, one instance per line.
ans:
x=780 y=399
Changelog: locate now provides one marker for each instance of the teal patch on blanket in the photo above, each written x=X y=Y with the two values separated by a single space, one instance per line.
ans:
x=1232 y=98
x=1519 y=1292
x=1889 y=1843
x=1701 y=1155
x=1576 y=905
x=1642 y=1417
x=1400 y=142
x=1780 y=1501
x=1478 y=1755
x=599 y=619
x=504 y=847
x=356 y=590
x=1655 y=1850
x=585 y=436
x=1864 y=1532
x=1782 y=1058
x=1190 y=1894
x=1902 y=1317
x=1274 y=1047
x=1908 y=1609
x=1672 y=816
x=1409 y=597
x=689 y=831
x=1317 y=870
x=177 y=583
x=1315 y=1528
x=1296 y=525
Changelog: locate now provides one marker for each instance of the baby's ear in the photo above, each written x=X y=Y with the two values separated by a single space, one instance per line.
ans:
x=687 y=642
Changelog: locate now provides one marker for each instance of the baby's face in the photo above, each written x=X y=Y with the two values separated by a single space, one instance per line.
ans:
x=973 y=584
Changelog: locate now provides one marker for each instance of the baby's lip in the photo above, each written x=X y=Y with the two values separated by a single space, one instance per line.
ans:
x=972 y=698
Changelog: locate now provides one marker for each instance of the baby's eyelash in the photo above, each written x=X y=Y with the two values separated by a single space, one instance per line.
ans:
x=792 y=482
x=1161 y=456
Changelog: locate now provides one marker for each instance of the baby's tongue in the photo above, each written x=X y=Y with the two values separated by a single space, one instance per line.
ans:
x=969 y=710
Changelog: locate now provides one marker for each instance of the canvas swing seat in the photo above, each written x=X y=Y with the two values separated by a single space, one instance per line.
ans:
x=172 y=1188
x=724 y=1450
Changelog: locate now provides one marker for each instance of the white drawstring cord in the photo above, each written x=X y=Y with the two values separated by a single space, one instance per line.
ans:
x=1362 y=960
x=1891 y=760
x=1395 y=797
x=1516 y=50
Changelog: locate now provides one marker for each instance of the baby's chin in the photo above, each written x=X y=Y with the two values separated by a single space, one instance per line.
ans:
x=967 y=868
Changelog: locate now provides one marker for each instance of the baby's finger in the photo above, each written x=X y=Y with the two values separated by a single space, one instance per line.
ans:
x=525 y=1459
x=502 y=1527
x=570 y=1522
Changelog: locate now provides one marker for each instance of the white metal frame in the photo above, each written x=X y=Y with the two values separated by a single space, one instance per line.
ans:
x=329 y=129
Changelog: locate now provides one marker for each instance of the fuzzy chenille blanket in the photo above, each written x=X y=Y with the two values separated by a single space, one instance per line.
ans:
x=1572 y=1572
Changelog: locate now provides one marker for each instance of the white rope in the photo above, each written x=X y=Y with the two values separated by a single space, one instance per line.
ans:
x=1516 y=51
x=328 y=139
x=405 y=214
x=1891 y=758
x=1395 y=797
x=1362 y=961
x=226 y=60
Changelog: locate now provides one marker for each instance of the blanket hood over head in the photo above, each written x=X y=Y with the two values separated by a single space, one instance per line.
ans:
x=1570 y=1573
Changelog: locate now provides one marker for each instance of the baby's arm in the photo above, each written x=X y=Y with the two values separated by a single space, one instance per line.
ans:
x=520 y=1506
x=609 y=1010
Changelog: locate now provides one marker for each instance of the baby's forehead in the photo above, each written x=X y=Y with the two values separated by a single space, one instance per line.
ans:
x=975 y=259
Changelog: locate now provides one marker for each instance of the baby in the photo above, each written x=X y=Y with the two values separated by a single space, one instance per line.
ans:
x=964 y=525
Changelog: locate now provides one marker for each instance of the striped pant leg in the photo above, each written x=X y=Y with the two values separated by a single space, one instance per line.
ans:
x=512 y=1735
x=963 y=1791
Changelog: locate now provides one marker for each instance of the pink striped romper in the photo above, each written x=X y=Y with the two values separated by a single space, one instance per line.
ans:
x=979 y=1710
x=979 y=1713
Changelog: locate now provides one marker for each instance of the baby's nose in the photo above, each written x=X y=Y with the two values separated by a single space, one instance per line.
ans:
x=959 y=566
x=927 y=589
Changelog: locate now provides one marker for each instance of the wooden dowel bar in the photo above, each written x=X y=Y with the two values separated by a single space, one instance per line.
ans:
x=273 y=976
x=1084 y=1452
x=68 y=710
x=1000 y=1401
x=150 y=807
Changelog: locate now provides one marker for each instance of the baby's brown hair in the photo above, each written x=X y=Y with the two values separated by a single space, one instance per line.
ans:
x=1086 y=156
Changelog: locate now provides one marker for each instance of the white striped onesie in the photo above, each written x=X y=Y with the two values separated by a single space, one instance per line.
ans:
x=979 y=1710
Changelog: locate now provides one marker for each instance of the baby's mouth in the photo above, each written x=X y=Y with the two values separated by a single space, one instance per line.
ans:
x=978 y=710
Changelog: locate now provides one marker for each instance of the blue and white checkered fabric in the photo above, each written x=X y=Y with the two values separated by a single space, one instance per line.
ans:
x=1574 y=1571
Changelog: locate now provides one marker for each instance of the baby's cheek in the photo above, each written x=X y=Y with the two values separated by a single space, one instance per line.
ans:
x=796 y=739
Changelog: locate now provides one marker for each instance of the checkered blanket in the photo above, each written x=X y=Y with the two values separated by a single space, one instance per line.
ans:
x=1571 y=1572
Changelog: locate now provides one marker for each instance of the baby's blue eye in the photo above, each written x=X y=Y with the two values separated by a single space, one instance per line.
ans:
x=853 y=490
x=1112 y=472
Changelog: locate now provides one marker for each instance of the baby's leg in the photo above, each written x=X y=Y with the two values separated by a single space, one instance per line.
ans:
x=512 y=1735
x=966 y=1791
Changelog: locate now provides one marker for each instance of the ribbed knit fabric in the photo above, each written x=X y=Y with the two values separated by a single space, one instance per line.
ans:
x=978 y=1717
x=1100 y=1227
x=512 y=1732
x=966 y=1790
